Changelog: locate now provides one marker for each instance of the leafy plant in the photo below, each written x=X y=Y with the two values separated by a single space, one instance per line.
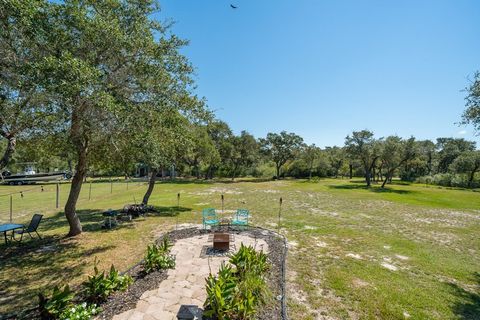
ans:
x=52 y=307
x=158 y=257
x=248 y=260
x=100 y=285
x=82 y=311
x=239 y=288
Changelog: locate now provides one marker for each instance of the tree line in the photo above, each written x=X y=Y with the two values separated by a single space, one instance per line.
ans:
x=99 y=87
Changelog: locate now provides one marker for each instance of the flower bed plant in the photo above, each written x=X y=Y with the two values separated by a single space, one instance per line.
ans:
x=158 y=257
x=240 y=286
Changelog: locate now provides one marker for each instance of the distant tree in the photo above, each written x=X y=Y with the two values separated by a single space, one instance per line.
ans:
x=311 y=153
x=395 y=152
x=449 y=149
x=472 y=103
x=468 y=162
x=281 y=148
x=221 y=136
x=362 y=145
x=336 y=157
x=201 y=150
x=244 y=152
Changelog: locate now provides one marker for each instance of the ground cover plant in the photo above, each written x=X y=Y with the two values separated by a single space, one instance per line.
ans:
x=240 y=286
x=354 y=252
x=158 y=257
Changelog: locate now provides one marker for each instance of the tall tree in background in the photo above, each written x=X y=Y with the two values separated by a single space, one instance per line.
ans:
x=469 y=163
x=107 y=63
x=220 y=134
x=449 y=149
x=311 y=153
x=395 y=152
x=244 y=153
x=362 y=145
x=281 y=148
x=201 y=150
x=336 y=157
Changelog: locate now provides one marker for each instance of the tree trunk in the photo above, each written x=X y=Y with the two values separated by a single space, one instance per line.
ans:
x=278 y=171
x=151 y=185
x=310 y=173
x=75 y=188
x=12 y=141
x=472 y=176
x=386 y=179
x=234 y=172
x=368 y=177
x=351 y=170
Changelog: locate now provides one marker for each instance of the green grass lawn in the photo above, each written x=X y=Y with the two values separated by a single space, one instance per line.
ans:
x=411 y=251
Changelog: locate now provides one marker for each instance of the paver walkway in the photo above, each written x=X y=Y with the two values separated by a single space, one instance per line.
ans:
x=186 y=283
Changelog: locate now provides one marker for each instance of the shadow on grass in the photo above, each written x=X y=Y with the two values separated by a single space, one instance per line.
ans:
x=469 y=306
x=172 y=211
x=371 y=189
x=37 y=265
x=91 y=220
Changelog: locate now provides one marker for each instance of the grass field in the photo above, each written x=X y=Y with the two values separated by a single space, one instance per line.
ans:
x=411 y=251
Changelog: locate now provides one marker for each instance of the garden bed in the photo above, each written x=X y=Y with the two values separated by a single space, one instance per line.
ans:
x=123 y=301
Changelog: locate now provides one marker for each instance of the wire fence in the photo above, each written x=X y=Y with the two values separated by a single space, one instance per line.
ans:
x=18 y=203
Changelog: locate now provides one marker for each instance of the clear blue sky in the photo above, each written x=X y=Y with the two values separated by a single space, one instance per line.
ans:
x=322 y=68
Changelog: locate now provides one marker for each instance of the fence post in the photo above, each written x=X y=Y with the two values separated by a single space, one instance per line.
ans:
x=57 y=195
x=11 y=208
x=280 y=214
x=222 y=204
x=178 y=210
x=90 y=191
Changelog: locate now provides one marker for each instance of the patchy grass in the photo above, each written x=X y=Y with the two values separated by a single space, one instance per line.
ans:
x=410 y=251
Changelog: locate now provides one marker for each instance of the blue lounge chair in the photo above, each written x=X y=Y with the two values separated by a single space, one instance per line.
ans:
x=209 y=217
x=241 y=218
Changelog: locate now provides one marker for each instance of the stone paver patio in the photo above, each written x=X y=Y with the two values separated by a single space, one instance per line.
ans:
x=186 y=283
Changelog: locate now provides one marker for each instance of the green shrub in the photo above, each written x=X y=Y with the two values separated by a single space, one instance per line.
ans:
x=100 y=285
x=53 y=306
x=158 y=257
x=80 y=312
x=239 y=288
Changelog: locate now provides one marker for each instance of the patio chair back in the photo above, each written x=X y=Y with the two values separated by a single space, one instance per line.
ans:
x=209 y=214
x=34 y=223
x=242 y=216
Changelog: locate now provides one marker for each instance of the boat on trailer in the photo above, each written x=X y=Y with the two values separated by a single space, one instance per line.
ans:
x=30 y=176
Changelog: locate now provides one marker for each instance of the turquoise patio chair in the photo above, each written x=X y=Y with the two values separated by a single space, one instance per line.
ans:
x=241 y=218
x=209 y=218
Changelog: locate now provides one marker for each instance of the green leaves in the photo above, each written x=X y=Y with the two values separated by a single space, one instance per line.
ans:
x=101 y=285
x=158 y=257
x=240 y=286
x=59 y=300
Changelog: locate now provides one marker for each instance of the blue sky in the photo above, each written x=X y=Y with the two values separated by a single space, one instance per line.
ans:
x=324 y=68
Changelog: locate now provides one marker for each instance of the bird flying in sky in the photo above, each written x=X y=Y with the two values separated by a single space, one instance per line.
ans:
x=233 y=7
